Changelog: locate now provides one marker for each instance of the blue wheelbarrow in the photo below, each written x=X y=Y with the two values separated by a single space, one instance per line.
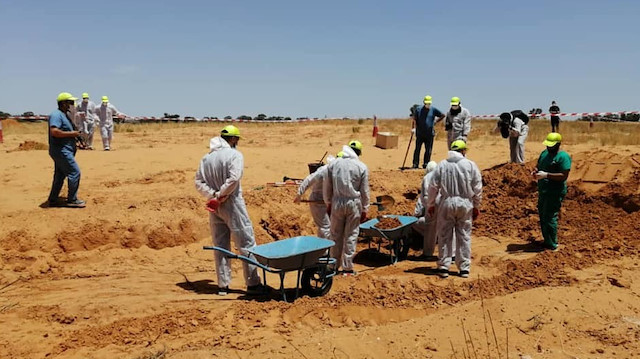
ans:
x=398 y=237
x=308 y=255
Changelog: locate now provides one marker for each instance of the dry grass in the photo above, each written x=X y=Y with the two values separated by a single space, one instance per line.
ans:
x=603 y=133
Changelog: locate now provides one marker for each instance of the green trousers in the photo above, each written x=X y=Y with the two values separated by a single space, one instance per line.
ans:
x=548 y=208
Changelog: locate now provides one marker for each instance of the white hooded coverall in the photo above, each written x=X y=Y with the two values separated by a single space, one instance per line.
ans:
x=429 y=235
x=318 y=210
x=105 y=112
x=346 y=191
x=460 y=125
x=517 y=136
x=219 y=177
x=459 y=183
x=89 y=120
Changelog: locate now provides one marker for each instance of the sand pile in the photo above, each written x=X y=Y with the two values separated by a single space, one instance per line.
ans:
x=30 y=146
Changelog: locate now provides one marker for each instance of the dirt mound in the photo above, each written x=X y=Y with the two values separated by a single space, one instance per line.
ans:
x=30 y=146
x=94 y=235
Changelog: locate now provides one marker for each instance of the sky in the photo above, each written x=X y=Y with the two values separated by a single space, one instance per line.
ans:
x=322 y=58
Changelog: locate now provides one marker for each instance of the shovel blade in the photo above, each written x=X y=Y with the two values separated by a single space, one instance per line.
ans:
x=383 y=202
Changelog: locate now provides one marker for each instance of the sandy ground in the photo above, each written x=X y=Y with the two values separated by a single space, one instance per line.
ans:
x=127 y=276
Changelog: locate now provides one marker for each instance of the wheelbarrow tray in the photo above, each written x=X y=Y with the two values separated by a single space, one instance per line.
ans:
x=291 y=254
x=368 y=229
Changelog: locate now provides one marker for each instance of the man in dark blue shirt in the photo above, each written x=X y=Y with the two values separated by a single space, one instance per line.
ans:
x=423 y=122
x=62 y=149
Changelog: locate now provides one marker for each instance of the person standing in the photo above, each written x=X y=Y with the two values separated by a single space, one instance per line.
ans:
x=430 y=234
x=514 y=125
x=62 y=149
x=457 y=122
x=87 y=111
x=218 y=179
x=459 y=183
x=551 y=173
x=554 y=110
x=105 y=112
x=346 y=193
x=424 y=119
x=315 y=181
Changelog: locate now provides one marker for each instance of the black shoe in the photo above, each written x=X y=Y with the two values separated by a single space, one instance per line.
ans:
x=78 y=203
x=223 y=291
x=257 y=289
x=443 y=273
x=415 y=167
x=464 y=273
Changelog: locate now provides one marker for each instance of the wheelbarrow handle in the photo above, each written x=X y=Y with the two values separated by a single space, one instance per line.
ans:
x=240 y=257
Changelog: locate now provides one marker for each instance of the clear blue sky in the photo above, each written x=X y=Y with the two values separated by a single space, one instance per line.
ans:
x=333 y=58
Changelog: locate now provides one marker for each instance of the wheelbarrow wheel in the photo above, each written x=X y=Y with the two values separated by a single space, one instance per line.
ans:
x=315 y=282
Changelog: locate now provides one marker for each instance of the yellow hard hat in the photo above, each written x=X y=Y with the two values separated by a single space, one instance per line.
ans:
x=458 y=145
x=427 y=99
x=105 y=99
x=553 y=138
x=455 y=101
x=85 y=95
x=230 y=131
x=340 y=154
x=65 y=96
x=356 y=145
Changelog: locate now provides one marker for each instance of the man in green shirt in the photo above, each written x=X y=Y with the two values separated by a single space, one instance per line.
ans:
x=551 y=173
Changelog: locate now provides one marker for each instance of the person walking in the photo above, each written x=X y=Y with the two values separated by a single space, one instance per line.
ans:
x=457 y=122
x=106 y=111
x=62 y=149
x=88 y=115
x=458 y=182
x=551 y=173
x=218 y=180
x=346 y=193
x=554 y=110
x=315 y=181
x=514 y=125
x=424 y=119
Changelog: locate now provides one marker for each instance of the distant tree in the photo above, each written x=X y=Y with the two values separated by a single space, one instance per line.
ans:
x=28 y=114
x=4 y=114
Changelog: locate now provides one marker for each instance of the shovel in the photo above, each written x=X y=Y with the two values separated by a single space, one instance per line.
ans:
x=382 y=202
x=286 y=178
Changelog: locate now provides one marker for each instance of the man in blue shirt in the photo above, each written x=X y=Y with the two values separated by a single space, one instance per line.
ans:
x=423 y=122
x=62 y=149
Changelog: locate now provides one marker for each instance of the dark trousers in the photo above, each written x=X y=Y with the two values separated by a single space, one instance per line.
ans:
x=426 y=139
x=555 y=124
x=548 y=210
x=65 y=167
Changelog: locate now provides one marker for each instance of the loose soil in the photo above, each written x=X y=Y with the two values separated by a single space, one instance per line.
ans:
x=127 y=276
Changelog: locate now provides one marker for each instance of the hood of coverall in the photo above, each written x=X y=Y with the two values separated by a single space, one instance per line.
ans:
x=455 y=156
x=218 y=143
x=348 y=152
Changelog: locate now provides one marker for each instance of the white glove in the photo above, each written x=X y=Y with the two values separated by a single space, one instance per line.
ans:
x=413 y=130
x=541 y=175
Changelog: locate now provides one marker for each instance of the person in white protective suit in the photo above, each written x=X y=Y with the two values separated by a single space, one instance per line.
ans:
x=315 y=181
x=218 y=177
x=457 y=122
x=429 y=235
x=346 y=193
x=459 y=183
x=88 y=115
x=105 y=113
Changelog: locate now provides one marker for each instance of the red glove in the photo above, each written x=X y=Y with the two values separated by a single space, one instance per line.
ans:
x=212 y=205
x=363 y=217
x=476 y=213
x=431 y=211
x=329 y=210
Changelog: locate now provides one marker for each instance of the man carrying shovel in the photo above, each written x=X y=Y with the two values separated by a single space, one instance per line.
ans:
x=315 y=181
x=346 y=193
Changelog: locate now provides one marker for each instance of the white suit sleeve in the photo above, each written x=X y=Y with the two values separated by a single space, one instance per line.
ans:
x=201 y=185
x=434 y=188
x=327 y=186
x=476 y=185
x=364 y=190
x=424 y=196
x=466 y=126
x=309 y=181
x=235 y=174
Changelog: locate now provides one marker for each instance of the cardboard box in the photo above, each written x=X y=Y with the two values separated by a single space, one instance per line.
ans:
x=387 y=140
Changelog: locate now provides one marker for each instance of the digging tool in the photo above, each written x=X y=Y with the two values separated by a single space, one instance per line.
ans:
x=286 y=178
x=321 y=159
x=406 y=153
x=382 y=202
